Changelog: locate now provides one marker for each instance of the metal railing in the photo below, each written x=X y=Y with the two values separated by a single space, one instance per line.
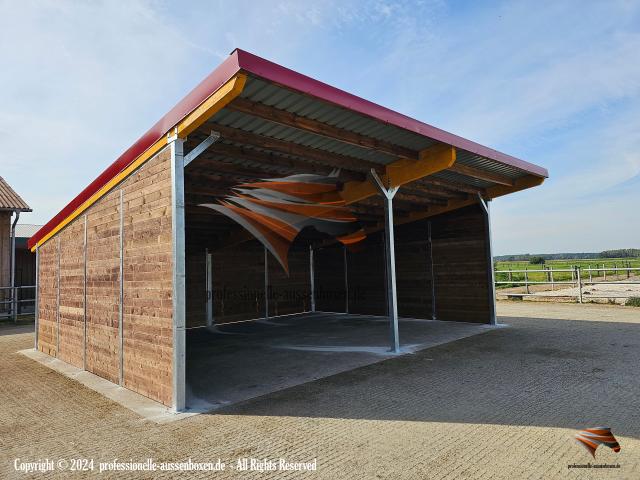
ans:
x=16 y=298
x=576 y=277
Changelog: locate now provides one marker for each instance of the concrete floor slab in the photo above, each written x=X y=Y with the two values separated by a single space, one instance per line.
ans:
x=235 y=362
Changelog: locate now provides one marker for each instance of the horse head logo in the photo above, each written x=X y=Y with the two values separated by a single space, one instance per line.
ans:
x=592 y=438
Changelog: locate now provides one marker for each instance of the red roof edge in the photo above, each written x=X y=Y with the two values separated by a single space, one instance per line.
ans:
x=242 y=60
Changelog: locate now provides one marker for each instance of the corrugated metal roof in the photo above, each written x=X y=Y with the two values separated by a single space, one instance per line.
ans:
x=25 y=230
x=10 y=200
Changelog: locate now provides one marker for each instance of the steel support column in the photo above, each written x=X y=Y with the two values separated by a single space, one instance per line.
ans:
x=121 y=302
x=390 y=258
x=37 y=302
x=179 y=276
x=433 y=275
x=209 y=280
x=84 y=295
x=312 y=279
x=346 y=280
x=266 y=283
x=490 y=273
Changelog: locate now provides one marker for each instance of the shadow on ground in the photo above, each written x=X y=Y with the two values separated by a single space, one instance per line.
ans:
x=539 y=372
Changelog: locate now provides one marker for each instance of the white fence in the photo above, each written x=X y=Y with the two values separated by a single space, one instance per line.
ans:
x=579 y=279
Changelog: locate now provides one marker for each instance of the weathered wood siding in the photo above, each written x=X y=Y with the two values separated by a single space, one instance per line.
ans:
x=147 y=282
x=290 y=293
x=460 y=270
x=48 y=297
x=238 y=283
x=329 y=279
x=72 y=294
x=103 y=287
x=460 y=266
x=366 y=270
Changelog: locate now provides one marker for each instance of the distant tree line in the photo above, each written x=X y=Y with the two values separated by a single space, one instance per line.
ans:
x=539 y=258
x=621 y=253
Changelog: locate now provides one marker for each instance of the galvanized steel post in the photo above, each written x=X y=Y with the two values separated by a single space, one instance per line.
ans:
x=84 y=295
x=390 y=258
x=37 y=302
x=266 y=283
x=58 y=301
x=346 y=280
x=209 y=286
x=312 y=279
x=490 y=270
x=433 y=276
x=179 y=273
x=121 y=303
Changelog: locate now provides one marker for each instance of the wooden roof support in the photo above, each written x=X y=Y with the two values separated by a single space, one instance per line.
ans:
x=286 y=165
x=324 y=157
x=481 y=174
x=288 y=119
x=433 y=159
x=449 y=185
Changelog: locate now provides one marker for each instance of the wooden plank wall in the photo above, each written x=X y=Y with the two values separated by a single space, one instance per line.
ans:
x=460 y=265
x=103 y=287
x=329 y=275
x=148 y=280
x=72 y=294
x=238 y=283
x=413 y=270
x=147 y=285
x=290 y=293
x=48 y=298
x=196 y=294
x=366 y=270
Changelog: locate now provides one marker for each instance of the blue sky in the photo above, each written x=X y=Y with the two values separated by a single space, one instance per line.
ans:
x=554 y=83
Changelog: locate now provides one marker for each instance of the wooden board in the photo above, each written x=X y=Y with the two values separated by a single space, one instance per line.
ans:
x=47 y=298
x=72 y=294
x=148 y=280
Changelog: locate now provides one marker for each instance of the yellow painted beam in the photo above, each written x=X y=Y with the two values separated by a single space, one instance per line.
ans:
x=491 y=192
x=216 y=102
x=519 y=184
x=212 y=105
x=431 y=160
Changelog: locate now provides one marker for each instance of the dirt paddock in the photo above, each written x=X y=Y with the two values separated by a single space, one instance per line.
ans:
x=504 y=404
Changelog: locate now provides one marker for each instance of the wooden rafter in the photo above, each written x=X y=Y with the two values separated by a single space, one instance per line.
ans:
x=282 y=117
x=289 y=148
x=481 y=174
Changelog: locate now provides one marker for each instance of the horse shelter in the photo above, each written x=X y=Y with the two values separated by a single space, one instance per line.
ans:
x=266 y=201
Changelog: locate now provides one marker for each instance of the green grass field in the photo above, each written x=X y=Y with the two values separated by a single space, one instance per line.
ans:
x=564 y=265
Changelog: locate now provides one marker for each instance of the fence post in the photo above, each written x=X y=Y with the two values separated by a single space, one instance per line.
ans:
x=551 y=278
x=526 y=279
x=579 y=276
x=590 y=277
x=628 y=267
x=605 y=273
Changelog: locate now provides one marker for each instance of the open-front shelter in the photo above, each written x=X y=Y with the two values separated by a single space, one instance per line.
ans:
x=136 y=259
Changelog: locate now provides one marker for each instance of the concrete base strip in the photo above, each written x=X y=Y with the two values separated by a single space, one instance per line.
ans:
x=143 y=406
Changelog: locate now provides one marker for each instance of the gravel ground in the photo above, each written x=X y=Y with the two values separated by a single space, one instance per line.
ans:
x=504 y=404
